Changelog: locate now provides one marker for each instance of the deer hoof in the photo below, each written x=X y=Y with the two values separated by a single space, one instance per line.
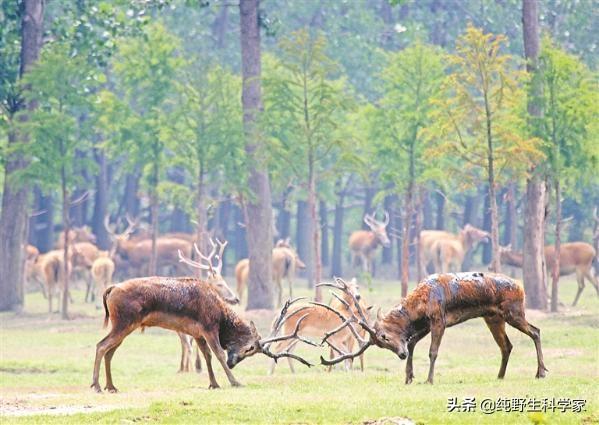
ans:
x=409 y=379
x=213 y=386
x=96 y=387
x=111 y=389
x=236 y=384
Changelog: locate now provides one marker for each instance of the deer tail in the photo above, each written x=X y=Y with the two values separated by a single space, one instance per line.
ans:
x=106 y=312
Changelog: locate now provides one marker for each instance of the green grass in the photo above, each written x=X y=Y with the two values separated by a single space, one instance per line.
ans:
x=46 y=367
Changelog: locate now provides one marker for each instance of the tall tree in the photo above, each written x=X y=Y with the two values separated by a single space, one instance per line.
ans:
x=533 y=267
x=303 y=108
x=259 y=211
x=13 y=221
x=479 y=118
x=411 y=80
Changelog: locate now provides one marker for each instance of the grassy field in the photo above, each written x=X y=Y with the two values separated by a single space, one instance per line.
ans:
x=46 y=368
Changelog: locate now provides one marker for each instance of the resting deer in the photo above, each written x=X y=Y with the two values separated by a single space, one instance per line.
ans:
x=191 y=306
x=438 y=302
x=284 y=263
x=318 y=320
x=574 y=257
x=446 y=250
x=214 y=278
x=363 y=243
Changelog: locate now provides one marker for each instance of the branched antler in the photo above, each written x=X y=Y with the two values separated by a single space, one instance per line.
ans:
x=283 y=317
x=346 y=322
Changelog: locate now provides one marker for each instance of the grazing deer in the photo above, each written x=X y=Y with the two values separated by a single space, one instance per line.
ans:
x=214 y=278
x=102 y=271
x=89 y=253
x=76 y=234
x=190 y=306
x=446 y=250
x=317 y=321
x=363 y=243
x=284 y=263
x=575 y=257
x=438 y=302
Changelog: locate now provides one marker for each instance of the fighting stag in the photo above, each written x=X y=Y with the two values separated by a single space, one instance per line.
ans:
x=438 y=302
x=363 y=243
x=214 y=278
x=188 y=305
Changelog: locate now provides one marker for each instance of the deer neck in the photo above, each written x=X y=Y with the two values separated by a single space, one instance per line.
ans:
x=231 y=328
x=374 y=241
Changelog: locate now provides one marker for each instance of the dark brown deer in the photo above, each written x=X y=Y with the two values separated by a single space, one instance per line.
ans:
x=438 y=302
x=191 y=306
x=575 y=257
x=213 y=277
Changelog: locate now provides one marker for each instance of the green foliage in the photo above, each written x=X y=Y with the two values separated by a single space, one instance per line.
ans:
x=303 y=106
x=410 y=81
x=137 y=114
x=60 y=86
x=483 y=83
x=570 y=102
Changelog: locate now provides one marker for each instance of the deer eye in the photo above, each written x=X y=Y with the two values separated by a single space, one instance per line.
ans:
x=249 y=350
x=384 y=337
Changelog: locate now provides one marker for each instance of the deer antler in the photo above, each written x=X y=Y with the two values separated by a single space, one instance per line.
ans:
x=348 y=322
x=283 y=317
x=221 y=249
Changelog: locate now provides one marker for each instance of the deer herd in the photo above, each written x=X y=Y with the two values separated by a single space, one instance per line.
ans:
x=200 y=308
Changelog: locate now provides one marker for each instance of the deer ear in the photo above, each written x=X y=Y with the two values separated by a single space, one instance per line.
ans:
x=253 y=327
x=370 y=307
x=379 y=315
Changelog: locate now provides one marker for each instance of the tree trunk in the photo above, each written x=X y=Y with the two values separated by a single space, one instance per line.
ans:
x=368 y=195
x=42 y=226
x=13 y=221
x=101 y=202
x=420 y=272
x=440 y=203
x=398 y=222
x=558 y=244
x=324 y=232
x=131 y=199
x=533 y=270
x=201 y=215
x=154 y=204
x=511 y=223
x=224 y=213
x=259 y=227
x=317 y=270
x=487 y=246
x=405 y=249
x=387 y=256
x=284 y=216
x=337 y=263
x=426 y=209
x=66 y=221
x=241 y=250
x=302 y=233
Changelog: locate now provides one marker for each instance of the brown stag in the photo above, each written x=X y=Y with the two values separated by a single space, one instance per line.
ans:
x=445 y=250
x=318 y=320
x=438 y=302
x=575 y=257
x=284 y=263
x=187 y=305
x=214 y=278
x=363 y=243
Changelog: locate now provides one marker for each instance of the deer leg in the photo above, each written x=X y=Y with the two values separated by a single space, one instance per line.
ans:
x=496 y=325
x=49 y=301
x=437 y=330
x=185 y=352
x=110 y=341
x=593 y=279
x=580 y=281
x=217 y=349
x=198 y=361
x=107 y=359
x=520 y=323
x=203 y=346
x=280 y=291
x=409 y=364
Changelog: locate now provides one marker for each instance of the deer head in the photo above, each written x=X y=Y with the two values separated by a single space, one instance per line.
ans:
x=118 y=239
x=214 y=276
x=379 y=228
x=473 y=236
